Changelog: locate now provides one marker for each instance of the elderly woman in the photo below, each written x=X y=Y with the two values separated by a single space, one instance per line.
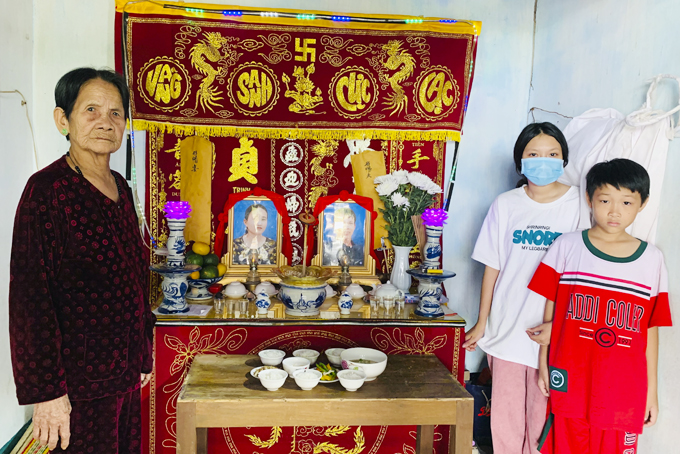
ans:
x=80 y=323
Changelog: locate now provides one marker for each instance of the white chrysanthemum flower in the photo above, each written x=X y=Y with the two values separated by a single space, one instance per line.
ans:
x=424 y=183
x=399 y=200
x=401 y=176
x=387 y=187
x=383 y=178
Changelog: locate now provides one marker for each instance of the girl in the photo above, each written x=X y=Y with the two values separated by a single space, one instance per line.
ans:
x=517 y=231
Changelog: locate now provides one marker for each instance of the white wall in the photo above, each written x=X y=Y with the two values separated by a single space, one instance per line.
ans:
x=599 y=54
x=16 y=69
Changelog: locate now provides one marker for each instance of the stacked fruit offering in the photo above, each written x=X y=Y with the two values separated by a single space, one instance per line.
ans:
x=201 y=282
x=200 y=255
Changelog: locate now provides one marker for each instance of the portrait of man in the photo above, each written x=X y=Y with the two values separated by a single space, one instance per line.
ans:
x=254 y=227
x=344 y=230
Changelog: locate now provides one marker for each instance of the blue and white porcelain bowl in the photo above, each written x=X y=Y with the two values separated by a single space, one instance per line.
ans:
x=198 y=288
x=302 y=301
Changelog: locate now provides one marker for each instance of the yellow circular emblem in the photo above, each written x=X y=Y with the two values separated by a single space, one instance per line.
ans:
x=436 y=93
x=353 y=92
x=164 y=83
x=253 y=88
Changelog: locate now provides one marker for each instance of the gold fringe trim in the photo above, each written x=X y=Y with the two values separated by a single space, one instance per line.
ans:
x=156 y=7
x=283 y=133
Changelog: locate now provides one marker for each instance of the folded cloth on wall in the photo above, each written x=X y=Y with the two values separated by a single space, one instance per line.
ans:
x=643 y=136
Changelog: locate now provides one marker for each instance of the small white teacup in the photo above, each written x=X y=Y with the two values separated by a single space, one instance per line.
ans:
x=294 y=363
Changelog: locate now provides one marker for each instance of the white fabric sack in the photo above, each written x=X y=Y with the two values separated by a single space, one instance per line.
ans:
x=603 y=134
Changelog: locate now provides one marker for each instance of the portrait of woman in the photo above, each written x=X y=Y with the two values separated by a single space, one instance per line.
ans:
x=80 y=324
x=343 y=230
x=255 y=224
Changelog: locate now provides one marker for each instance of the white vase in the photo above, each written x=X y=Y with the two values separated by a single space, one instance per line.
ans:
x=399 y=278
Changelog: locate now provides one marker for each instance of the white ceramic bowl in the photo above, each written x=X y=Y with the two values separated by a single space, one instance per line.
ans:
x=353 y=358
x=267 y=286
x=271 y=357
x=308 y=353
x=307 y=379
x=333 y=355
x=294 y=363
x=272 y=379
x=351 y=380
x=235 y=290
x=355 y=291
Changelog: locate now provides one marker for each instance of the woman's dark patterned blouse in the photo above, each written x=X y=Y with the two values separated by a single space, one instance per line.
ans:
x=80 y=321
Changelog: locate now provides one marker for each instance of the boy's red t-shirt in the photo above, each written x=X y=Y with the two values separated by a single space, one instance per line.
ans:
x=604 y=306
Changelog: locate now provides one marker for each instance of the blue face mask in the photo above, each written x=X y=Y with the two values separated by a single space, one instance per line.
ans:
x=542 y=171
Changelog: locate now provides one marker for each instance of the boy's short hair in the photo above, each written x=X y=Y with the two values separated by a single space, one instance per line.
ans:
x=618 y=173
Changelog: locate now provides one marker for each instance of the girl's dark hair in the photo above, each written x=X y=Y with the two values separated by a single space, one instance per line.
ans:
x=67 y=89
x=528 y=133
x=251 y=208
x=618 y=173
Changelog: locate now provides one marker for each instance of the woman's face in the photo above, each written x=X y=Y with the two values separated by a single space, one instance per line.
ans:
x=543 y=146
x=97 y=122
x=257 y=221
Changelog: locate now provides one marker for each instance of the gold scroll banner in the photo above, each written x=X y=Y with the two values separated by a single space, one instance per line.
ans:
x=226 y=71
x=196 y=161
x=366 y=166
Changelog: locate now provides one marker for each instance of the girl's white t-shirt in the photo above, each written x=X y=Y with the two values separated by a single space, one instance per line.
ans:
x=514 y=238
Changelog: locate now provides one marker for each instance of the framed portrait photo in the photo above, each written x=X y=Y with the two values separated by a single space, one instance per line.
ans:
x=254 y=226
x=345 y=229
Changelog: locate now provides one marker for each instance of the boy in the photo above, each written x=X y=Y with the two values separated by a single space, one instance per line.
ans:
x=608 y=294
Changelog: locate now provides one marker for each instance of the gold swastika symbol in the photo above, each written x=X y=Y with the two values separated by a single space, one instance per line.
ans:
x=305 y=50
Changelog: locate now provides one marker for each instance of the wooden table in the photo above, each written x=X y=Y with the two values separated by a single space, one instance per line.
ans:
x=414 y=390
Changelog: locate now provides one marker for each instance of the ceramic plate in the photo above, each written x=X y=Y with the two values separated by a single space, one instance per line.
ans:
x=332 y=381
x=257 y=370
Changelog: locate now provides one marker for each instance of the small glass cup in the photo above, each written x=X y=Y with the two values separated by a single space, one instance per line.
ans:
x=388 y=302
x=400 y=301
x=229 y=310
x=243 y=307
x=219 y=303
x=373 y=301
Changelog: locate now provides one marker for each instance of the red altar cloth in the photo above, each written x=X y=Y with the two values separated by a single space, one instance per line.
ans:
x=176 y=347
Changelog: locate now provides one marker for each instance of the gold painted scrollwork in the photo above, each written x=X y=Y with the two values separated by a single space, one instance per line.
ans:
x=422 y=49
x=211 y=344
x=278 y=43
x=398 y=343
x=182 y=38
x=332 y=448
x=333 y=45
x=273 y=439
